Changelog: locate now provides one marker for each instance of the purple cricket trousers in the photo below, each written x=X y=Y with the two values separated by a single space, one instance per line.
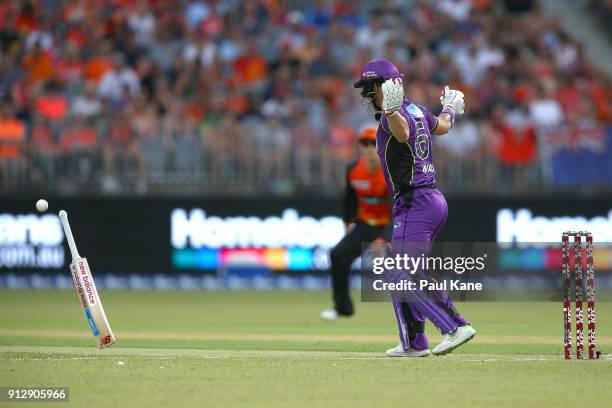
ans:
x=414 y=229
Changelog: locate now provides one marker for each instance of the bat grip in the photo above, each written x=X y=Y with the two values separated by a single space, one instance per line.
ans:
x=63 y=215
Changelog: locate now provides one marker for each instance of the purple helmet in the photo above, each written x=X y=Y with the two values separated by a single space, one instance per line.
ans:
x=376 y=71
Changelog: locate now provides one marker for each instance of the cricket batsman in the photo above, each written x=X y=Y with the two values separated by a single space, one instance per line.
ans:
x=366 y=214
x=404 y=146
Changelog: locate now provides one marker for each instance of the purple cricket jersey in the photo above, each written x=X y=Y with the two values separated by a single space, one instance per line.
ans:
x=408 y=164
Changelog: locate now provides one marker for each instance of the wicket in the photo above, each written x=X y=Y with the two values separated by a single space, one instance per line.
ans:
x=579 y=293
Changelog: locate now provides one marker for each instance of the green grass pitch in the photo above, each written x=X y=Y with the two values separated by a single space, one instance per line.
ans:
x=197 y=349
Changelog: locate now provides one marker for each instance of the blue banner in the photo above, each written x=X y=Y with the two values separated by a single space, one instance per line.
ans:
x=581 y=156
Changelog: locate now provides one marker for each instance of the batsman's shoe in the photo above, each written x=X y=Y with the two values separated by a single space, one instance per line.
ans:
x=453 y=340
x=332 y=314
x=398 y=351
x=329 y=314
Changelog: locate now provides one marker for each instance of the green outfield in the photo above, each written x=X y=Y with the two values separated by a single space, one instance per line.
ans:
x=271 y=349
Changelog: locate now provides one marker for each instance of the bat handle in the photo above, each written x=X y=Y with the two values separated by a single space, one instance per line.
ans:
x=63 y=215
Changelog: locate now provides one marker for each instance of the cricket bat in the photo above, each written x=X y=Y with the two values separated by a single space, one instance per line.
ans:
x=86 y=290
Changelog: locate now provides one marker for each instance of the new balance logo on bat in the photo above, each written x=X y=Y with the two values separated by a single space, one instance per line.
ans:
x=77 y=283
x=87 y=283
x=106 y=340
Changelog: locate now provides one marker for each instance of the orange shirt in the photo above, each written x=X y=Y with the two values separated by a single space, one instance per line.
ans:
x=79 y=138
x=516 y=146
x=52 y=107
x=96 y=67
x=12 y=134
x=342 y=140
x=250 y=68
x=367 y=196
x=40 y=66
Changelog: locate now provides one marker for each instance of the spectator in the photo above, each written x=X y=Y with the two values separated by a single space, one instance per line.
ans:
x=250 y=66
x=464 y=60
x=318 y=15
x=145 y=120
x=26 y=19
x=121 y=148
x=100 y=63
x=52 y=105
x=221 y=142
x=42 y=37
x=45 y=151
x=253 y=17
x=87 y=105
x=544 y=110
x=566 y=56
x=12 y=141
x=9 y=74
x=142 y=23
x=489 y=56
x=231 y=46
x=200 y=49
x=70 y=68
x=117 y=80
x=38 y=62
x=195 y=13
x=373 y=36
x=342 y=138
x=515 y=148
x=79 y=143
x=306 y=147
x=460 y=155
x=458 y=10
x=272 y=144
x=323 y=66
x=463 y=143
x=279 y=105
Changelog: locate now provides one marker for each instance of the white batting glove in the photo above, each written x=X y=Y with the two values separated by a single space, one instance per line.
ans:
x=393 y=95
x=453 y=99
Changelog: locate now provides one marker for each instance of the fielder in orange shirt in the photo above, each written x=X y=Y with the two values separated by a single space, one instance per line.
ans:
x=366 y=214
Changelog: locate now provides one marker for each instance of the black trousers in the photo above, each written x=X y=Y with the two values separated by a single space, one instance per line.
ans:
x=343 y=255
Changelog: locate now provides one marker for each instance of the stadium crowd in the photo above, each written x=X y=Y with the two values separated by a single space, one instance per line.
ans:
x=251 y=96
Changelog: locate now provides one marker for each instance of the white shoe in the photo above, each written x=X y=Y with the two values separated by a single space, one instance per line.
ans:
x=451 y=341
x=329 y=314
x=398 y=351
